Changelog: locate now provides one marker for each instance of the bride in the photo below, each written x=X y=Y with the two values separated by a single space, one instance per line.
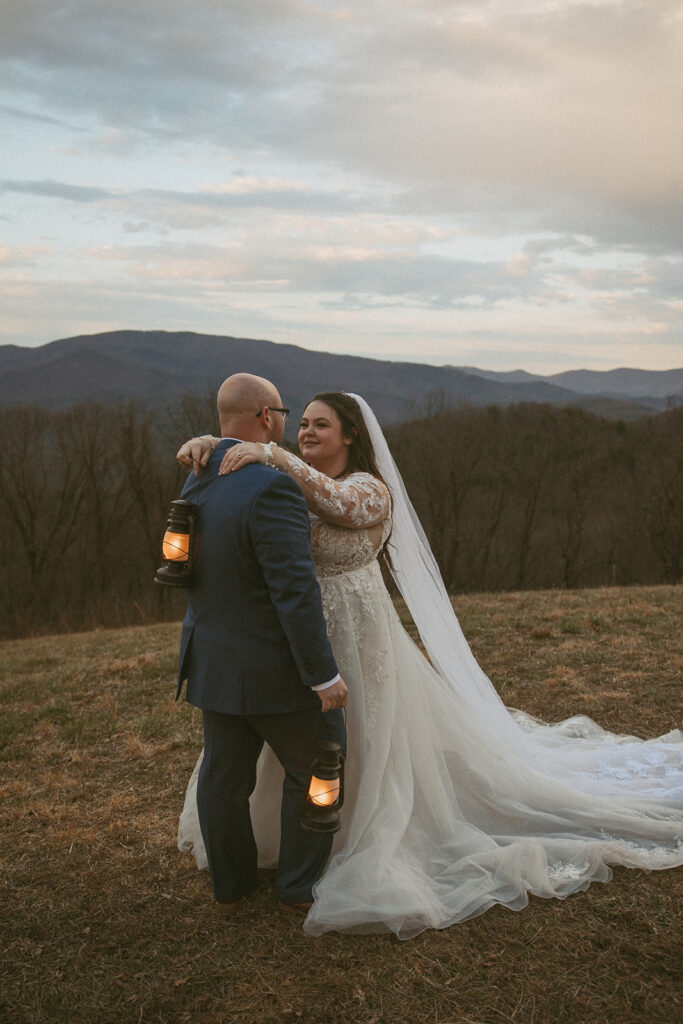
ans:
x=453 y=802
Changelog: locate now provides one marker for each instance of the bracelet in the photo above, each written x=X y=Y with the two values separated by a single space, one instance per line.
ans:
x=211 y=441
x=269 y=453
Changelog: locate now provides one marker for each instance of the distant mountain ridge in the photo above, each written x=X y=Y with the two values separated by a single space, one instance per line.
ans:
x=655 y=387
x=157 y=366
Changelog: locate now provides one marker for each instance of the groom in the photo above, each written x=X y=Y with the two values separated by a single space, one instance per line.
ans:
x=255 y=651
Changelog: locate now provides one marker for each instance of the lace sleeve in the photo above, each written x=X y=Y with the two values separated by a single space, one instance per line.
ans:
x=358 y=502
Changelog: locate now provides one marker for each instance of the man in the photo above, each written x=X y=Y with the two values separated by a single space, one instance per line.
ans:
x=255 y=651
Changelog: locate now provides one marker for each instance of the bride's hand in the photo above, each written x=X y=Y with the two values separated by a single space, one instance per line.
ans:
x=242 y=454
x=196 y=452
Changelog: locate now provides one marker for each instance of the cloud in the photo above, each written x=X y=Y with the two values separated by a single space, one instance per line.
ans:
x=505 y=336
x=252 y=236
x=236 y=194
x=494 y=162
x=288 y=260
x=30 y=116
x=22 y=256
x=582 y=98
x=57 y=190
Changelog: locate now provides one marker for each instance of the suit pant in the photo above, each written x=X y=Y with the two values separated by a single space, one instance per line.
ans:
x=232 y=744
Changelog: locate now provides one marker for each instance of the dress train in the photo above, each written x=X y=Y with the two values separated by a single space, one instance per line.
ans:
x=441 y=820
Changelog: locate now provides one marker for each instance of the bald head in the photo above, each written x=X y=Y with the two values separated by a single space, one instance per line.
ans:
x=244 y=403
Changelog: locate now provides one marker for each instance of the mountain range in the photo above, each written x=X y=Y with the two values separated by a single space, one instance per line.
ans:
x=157 y=366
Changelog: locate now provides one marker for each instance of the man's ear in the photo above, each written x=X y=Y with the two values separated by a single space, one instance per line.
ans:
x=270 y=422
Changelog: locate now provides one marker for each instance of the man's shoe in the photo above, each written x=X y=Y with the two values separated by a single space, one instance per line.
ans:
x=296 y=908
x=228 y=906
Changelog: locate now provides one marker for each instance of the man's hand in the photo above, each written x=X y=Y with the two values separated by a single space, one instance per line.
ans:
x=334 y=696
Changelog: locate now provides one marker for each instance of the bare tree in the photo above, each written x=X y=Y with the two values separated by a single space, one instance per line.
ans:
x=660 y=465
x=41 y=493
x=525 y=496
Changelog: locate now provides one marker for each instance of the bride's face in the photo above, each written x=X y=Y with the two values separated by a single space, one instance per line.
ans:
x=321 y=437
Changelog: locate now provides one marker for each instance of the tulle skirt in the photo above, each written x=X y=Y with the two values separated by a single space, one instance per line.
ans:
x=442 y=819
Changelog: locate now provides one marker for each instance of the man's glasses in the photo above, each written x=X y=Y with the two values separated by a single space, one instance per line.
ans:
x=283 y=412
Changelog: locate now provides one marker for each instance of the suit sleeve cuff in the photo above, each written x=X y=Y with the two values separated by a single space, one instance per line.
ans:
x=324 y=686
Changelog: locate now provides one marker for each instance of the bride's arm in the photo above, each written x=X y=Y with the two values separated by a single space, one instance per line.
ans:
x=197 y=451
x=358 y=502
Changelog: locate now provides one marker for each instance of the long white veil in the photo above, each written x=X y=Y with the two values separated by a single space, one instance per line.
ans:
x=576 y=751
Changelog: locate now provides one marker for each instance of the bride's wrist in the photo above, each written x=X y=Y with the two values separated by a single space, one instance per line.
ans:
x=210 y=440
x=270 y=450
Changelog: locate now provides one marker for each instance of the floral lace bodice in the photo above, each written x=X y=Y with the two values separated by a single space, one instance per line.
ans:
x=350 y=518
x=336 y=549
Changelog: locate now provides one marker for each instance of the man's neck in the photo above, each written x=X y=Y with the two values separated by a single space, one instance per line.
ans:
x=240 y=433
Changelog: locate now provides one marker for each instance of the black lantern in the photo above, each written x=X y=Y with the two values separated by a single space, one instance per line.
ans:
x=325 y=795
x=176 y=568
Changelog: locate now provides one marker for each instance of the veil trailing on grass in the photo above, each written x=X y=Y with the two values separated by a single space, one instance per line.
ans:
x=576 y=751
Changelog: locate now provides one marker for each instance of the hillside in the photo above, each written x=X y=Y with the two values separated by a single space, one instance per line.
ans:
x=156 y=366
x=103 y=920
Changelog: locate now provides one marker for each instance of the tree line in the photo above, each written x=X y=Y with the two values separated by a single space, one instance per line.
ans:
x=531 y=496
x=523 y=497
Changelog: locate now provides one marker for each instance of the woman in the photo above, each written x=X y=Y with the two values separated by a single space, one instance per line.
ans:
x=453 y=803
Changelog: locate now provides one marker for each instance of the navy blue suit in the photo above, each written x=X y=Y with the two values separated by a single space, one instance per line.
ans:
x=254 y=642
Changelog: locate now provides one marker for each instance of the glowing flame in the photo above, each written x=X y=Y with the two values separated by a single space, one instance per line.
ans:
x=176 y=546
x=323 y=792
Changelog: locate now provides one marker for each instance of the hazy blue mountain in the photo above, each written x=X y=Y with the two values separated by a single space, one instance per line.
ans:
x=157 y=366
x=502 y=376
x=652 y=388
x=624 y=381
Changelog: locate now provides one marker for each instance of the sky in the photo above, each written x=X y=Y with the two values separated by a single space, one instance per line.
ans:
x=495 y=183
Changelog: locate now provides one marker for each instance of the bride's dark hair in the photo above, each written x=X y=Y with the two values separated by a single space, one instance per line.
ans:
x=361 y=452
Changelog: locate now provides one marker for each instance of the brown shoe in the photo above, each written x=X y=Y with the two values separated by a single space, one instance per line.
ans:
x=295 y=908
x=228 y=906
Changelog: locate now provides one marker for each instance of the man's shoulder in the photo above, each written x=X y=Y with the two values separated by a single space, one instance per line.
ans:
x=271 y=481
x=259 y=481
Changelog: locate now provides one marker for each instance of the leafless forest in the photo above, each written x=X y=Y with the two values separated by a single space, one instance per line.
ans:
x=523 y=497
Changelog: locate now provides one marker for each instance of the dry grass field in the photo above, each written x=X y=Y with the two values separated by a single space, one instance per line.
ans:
x=103 y=921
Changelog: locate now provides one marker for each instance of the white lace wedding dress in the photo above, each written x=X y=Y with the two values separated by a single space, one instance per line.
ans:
x=453 y=803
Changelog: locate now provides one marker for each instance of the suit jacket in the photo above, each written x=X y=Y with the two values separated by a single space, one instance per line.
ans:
x=254 y=638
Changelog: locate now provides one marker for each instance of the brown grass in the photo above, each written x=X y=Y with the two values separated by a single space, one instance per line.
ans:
x=102 y=920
